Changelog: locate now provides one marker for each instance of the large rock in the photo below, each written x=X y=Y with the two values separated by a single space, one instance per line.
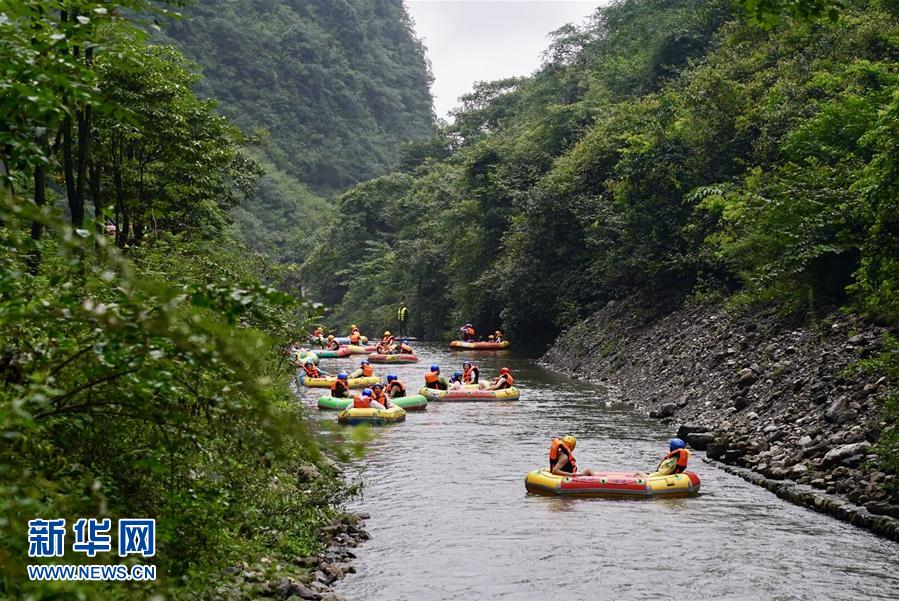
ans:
x=838 y=454
x=685 y=430
x=839 y=411
x=746 y=377
x=666 y=410
x=699 y=440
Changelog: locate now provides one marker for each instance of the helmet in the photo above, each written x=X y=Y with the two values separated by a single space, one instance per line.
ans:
x=468 y=363
x=497 y=332
x=435 y=367
x=330 y=336
x=676 y=443
x=569 y=441
x=342 y=376
x=457 y=374
x=387 y=333
x=309 y=362
x=378 y=385
x=468 y=325
x=504 y=370
x=367 y=392
x=363 y=362
x=353 y=327
x=391 y=378
x=491 y=337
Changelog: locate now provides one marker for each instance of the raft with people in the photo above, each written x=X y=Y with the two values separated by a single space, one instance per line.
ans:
x=471 y=393
x=373 y=417
x=464 y=345
x=600 y=484
x=327 y=382
x=392 y=358
x=340 y=353
x=415 y=402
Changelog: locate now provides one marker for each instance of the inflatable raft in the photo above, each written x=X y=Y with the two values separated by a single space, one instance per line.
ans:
x=346 y=339
x=612 y=484
x=301 y=357
x=326 y=382
x=374 y=417
x=409 y=403
x=338 y=354
x=460 y=345
x=355 y=349
x=397 y=358
x=471 y=393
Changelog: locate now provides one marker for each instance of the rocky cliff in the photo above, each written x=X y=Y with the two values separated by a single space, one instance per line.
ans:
x=757 y=391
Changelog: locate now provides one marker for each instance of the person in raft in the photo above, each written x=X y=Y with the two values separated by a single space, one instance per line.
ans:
x=470 y=373
x=311 y=370
x=467 y=332
x=378 y=395
x=404 y=349
x=387 y=344
x=498 y=336
x=456 y=382
x=561 y=457
x=505 y=380
x=332 y=344
x=365 y=370
x=434 y=380
x=340 y=388
x=365 y=400
x=395 y=388
x=677 y=450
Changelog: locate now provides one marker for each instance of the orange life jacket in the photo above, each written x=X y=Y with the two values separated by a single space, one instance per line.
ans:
x=312 y=371
x=396 y=389
x=505 y=381
x=361 y=402
x=339 y=389
x=432 y=380
x=557 y=447
x=682 y=456
x=468 y=332
x=381 y=398
x=470 y=375
x=387 y=341
x=355 y=337
x=367 y=371
x=333 y=346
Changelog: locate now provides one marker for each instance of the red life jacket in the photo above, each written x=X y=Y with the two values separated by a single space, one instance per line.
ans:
x=387 y=341
x=471 y=375
x=312 y=371
x=361 y=402
x=557 y=447
x=333 y=345
x=505 y=381
x=396 y=389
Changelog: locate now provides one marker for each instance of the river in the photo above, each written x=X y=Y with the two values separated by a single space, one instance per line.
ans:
x=450 y=517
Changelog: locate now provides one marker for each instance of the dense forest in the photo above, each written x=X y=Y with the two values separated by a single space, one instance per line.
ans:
x=667 y=151
x=334 y=87
x=140 y=364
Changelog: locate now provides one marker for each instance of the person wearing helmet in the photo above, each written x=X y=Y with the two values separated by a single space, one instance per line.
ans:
x=311 y=370
x=434 y=380
x=379 y=395
x=491 y=338
x=366 y=400
x=505 y=380
x=467 y=332
x=404 y=349
x=388 y=339
x=470 y=373
x=497 y=336
x=456 y=381
x=677 y=450
x=340 y=387
x=365 y=370
x=561 y=457
x=354 y=329
x=395 y=388
x=332 y=344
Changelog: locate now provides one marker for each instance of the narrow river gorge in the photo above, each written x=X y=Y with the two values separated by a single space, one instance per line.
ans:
x=450 y=518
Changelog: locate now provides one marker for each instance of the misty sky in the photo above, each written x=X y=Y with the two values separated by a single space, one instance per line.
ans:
x=476 y=40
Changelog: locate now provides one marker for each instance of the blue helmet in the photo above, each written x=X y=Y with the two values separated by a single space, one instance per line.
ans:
x=435 y=367
x=391 y=378
x=457 y=374
x=363 y=362
x=367 y=392
x=676 y=443
x=342 y=376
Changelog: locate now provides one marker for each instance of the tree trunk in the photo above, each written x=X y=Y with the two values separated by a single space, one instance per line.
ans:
x=37 y=227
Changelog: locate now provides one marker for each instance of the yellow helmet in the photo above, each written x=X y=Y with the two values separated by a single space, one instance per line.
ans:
x=353 y=326
x=330 y=336
x=387 y=333
x=569 y=441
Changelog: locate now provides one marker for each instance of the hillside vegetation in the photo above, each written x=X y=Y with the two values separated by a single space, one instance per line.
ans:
x=669 y=151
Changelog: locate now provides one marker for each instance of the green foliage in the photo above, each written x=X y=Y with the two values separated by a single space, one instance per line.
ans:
x=338 y=85
x=665 y=150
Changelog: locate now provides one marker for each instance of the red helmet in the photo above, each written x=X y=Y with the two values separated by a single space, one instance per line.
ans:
x=504 y=371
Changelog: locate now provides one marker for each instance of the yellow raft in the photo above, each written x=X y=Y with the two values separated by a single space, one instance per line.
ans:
x=374 y=417
x=612 y=484
x=326 y=382
x=470 y=393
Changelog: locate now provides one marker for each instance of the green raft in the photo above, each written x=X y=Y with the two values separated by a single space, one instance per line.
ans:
x=409 y=403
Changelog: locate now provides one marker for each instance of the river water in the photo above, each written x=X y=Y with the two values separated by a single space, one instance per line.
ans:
x=450 y=517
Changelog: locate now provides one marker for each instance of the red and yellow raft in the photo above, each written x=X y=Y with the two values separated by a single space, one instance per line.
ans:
x=392 y=358
x=461 y=345
x=612 y=484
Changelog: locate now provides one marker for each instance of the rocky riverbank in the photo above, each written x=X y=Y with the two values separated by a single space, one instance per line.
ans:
x=307 y=578
x=768 y=396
